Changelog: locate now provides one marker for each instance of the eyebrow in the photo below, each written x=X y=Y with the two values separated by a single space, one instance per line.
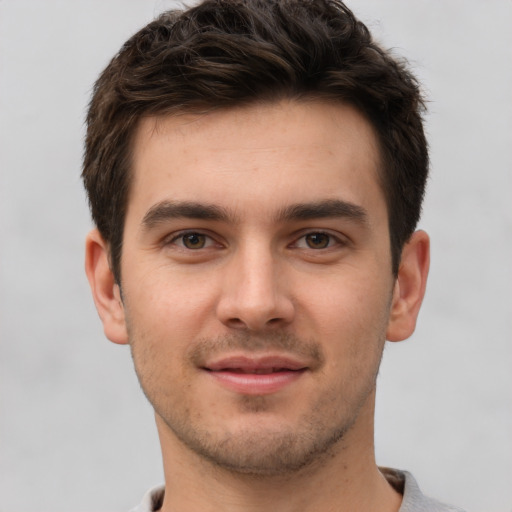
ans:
x=167 y=210
x=332 y=208
x=335 y=208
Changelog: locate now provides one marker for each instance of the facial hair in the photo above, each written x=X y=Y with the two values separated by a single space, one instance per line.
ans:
x=255 y=448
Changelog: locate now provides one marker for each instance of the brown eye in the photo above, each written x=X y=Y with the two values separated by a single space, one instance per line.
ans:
x=318 y=240
x=194 y=240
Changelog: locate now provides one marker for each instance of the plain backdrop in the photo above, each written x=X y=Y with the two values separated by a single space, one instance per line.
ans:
x=76 y=433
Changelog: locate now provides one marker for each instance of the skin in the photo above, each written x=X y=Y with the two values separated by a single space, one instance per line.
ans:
x=250 y=233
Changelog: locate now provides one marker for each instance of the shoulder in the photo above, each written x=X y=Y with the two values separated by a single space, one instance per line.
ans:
x=403 y=481
x=152 y=500
x=413 y=499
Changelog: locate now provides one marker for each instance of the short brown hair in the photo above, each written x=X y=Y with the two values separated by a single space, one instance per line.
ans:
x=225 y=53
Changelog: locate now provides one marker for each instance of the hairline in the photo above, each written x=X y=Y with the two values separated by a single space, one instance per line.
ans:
x=313 y=96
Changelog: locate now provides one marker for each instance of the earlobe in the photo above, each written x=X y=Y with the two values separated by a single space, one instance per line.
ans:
x=409 y=287
x=105 y=291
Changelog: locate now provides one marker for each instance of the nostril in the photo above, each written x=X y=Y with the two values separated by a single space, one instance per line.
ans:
x=254 y=312
x=236 y=323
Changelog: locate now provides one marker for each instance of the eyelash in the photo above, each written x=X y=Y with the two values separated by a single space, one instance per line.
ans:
x=181 y=236
x=333 y=240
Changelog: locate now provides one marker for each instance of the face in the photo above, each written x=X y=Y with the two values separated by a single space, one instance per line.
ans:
x=256 y=280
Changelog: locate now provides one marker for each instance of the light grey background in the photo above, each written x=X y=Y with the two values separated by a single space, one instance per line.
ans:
x=75 y=431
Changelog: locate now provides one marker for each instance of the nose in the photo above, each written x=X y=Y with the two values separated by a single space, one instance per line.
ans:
x=254 y=292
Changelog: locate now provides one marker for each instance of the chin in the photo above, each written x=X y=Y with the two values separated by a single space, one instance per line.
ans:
x=259 y=446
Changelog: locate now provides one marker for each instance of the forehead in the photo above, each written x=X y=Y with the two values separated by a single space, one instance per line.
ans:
x=264 y=155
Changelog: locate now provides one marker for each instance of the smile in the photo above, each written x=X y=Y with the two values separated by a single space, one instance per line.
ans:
x=255 y=376
x=258 y=371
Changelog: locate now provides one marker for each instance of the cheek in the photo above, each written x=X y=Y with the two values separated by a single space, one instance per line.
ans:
x=349 y=317
x=356 y=300
x=171 y=305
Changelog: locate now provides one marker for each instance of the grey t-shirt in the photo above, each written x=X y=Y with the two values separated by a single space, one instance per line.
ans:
x=413 y=499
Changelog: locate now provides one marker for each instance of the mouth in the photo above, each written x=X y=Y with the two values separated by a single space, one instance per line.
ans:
x=255 y=375
x=256 y=371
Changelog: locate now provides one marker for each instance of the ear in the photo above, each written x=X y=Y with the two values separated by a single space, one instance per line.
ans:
x=105 y=291
x=409 y=287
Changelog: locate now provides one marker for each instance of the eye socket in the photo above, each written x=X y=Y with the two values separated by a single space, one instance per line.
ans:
x=317 y=240
x=192 y=240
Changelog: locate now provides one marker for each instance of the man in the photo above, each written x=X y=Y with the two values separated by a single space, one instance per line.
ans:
x=255 y=171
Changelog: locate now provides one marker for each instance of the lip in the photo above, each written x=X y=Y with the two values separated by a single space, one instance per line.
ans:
x=251 y=375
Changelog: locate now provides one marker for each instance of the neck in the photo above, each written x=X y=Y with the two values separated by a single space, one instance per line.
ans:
x=345 y=479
